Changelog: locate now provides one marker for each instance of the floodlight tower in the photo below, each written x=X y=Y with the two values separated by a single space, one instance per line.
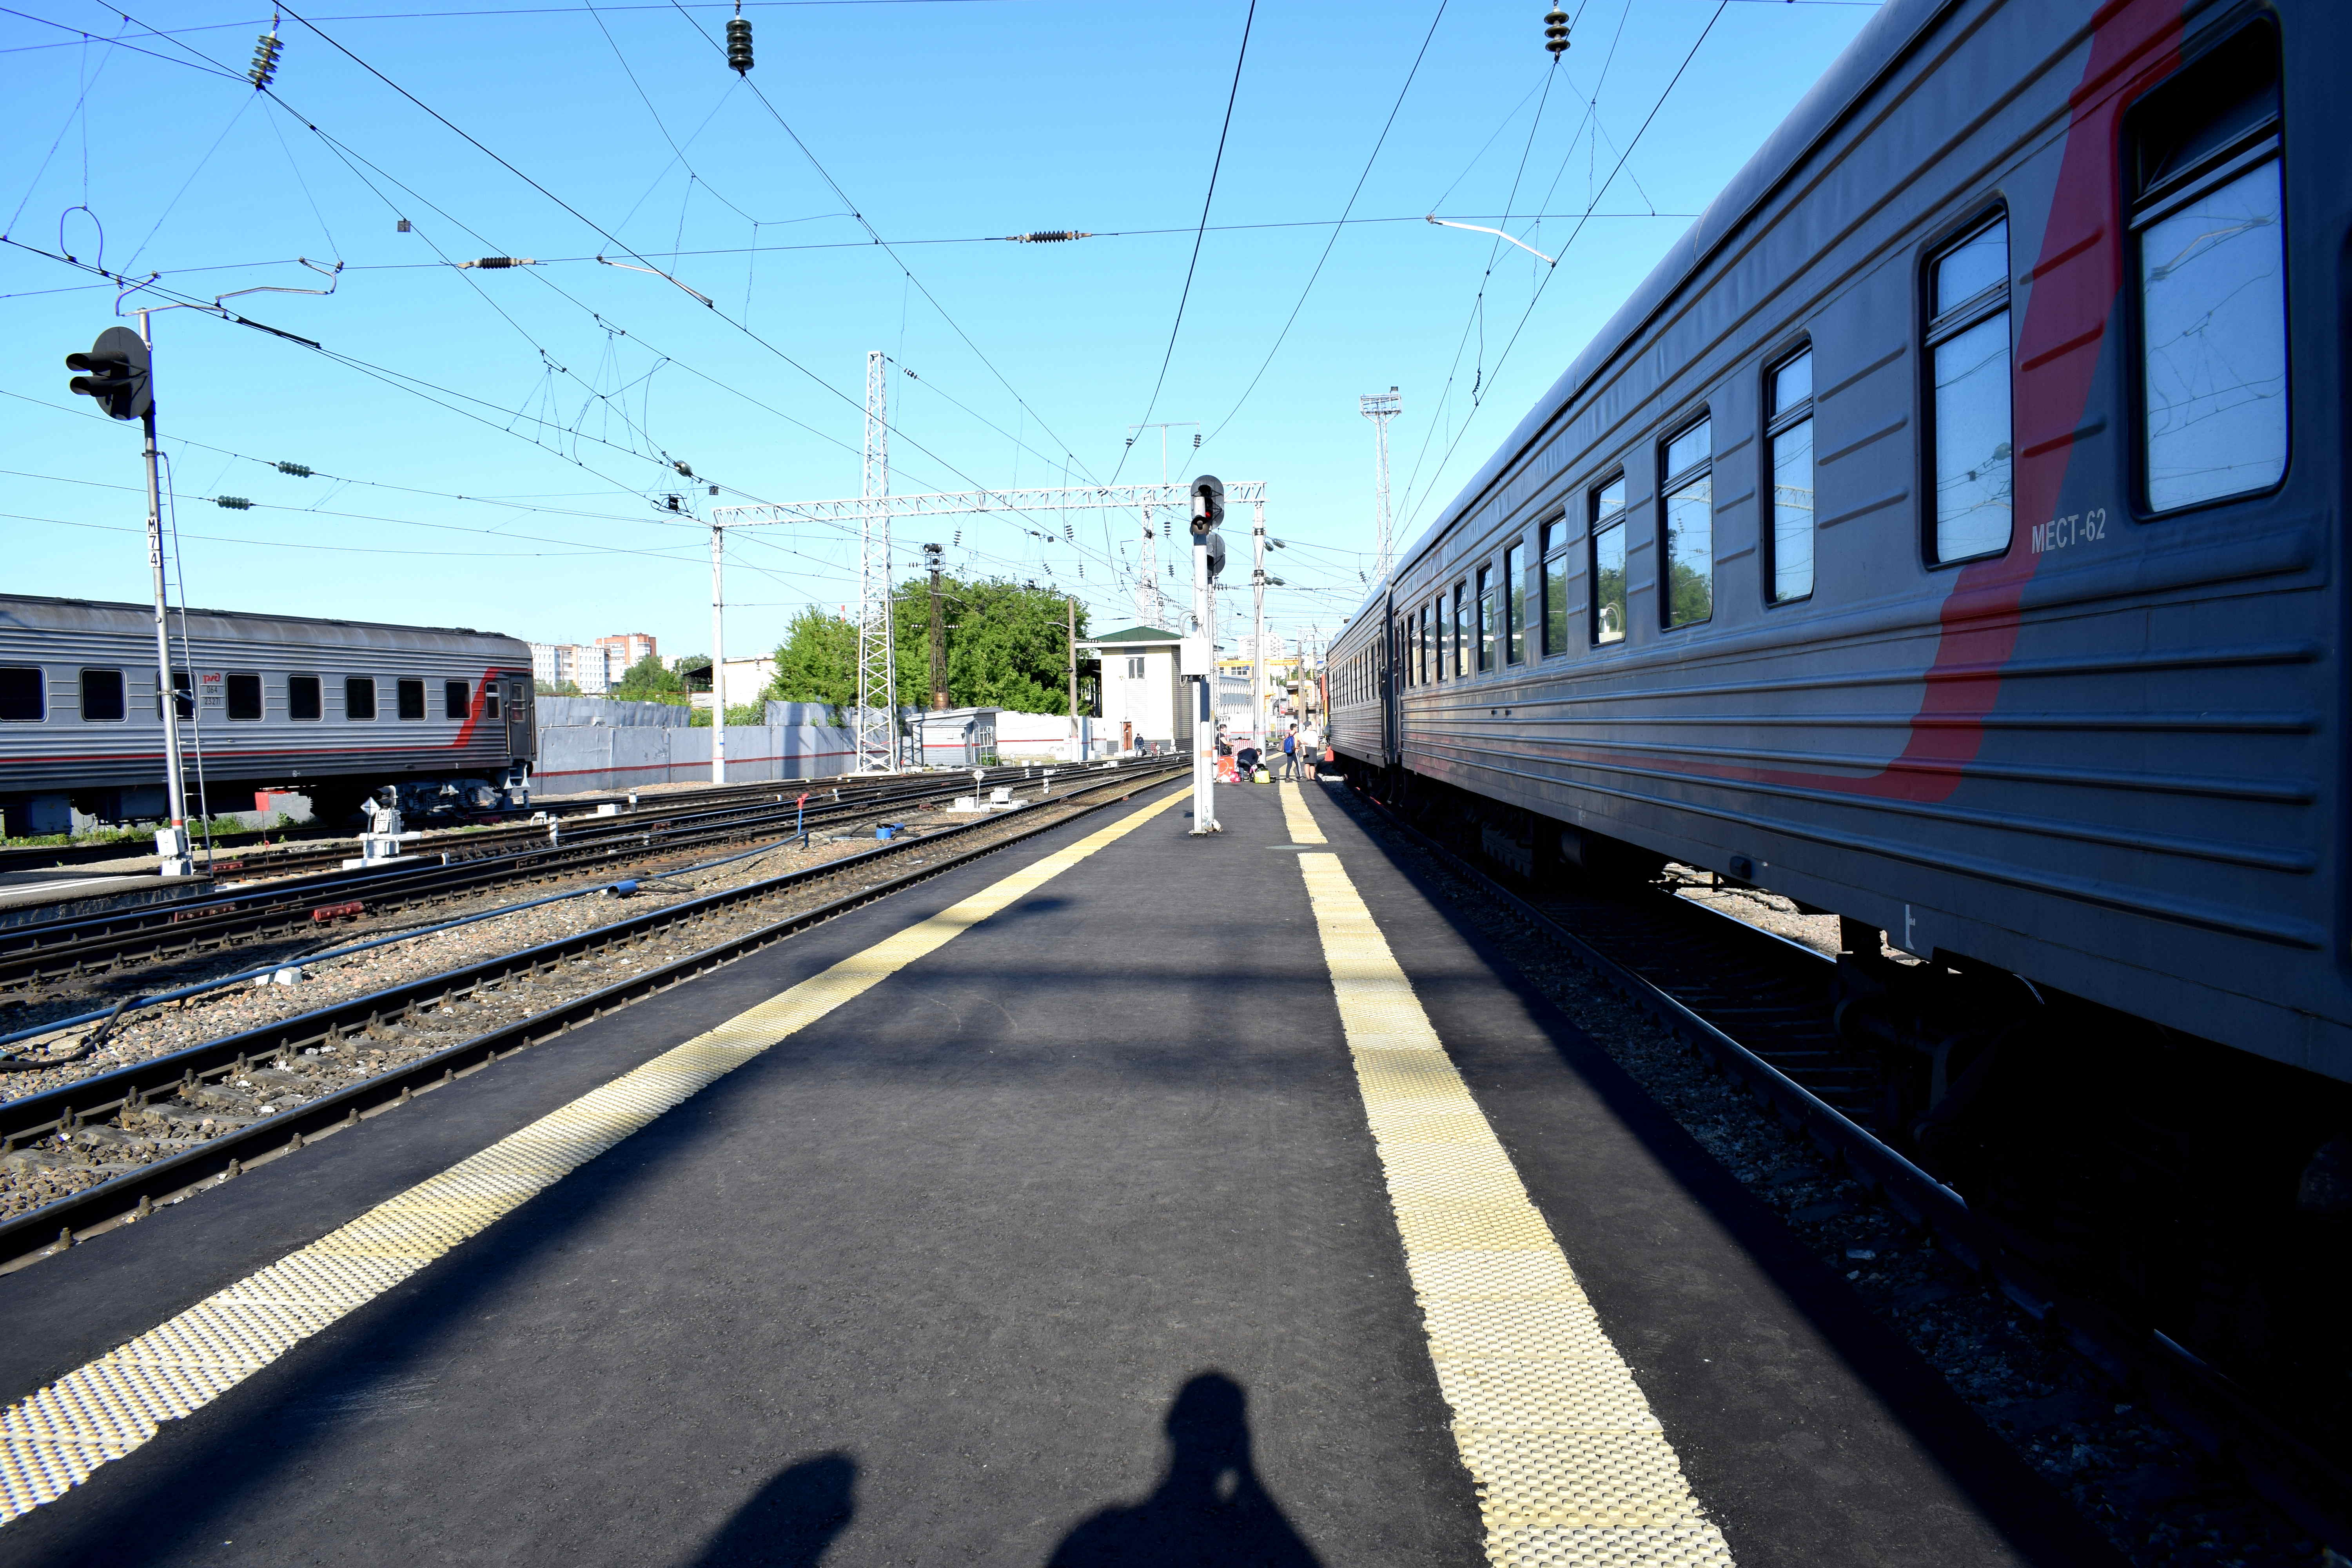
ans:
x=878 y=657
x=1379 y=407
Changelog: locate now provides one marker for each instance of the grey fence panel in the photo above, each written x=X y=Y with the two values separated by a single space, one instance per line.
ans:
x=564 y=712
x=591 y=758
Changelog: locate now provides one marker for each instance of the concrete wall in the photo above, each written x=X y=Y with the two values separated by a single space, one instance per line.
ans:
x=561 y=713
x=577 y=758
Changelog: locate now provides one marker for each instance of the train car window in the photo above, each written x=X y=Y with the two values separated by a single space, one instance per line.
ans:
x=2208 y=220
x=412 y=700
x=1553 y=541
x=23 y=698
x=1437 y=647
x=1461 y=629
x=359 y=698
x=184 y=697
x=490 y=701
x=1515 y=604
x=1608 y=562
x=244 y=697
x=1968 y=431
x=101 y=697
x=1686 y=534
x=1789 y=454
x=1488 y=613
x=303 y=700
x=457 y=699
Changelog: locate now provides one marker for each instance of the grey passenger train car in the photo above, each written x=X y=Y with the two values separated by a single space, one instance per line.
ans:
x=1949 y=532
x=328 y=708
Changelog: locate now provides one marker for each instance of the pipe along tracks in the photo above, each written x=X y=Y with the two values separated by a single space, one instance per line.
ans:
x=1760 y=1008
x=39 y=954
x=172 y=1090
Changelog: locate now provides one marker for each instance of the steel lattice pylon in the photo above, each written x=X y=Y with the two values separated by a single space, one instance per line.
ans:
x=878 y=657
x=1379 y=407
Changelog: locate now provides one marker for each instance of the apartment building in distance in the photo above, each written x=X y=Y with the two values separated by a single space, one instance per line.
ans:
x=595 y=668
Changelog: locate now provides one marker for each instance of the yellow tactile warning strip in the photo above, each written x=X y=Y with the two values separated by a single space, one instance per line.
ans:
x=1298 y=818
x=1570 y=1466
x=53 y=1440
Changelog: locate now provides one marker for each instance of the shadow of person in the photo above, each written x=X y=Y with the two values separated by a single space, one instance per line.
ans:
x=788 y=1522
x=1209 y=1511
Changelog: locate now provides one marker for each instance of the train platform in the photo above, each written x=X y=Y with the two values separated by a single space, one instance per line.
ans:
x=1122 y=1198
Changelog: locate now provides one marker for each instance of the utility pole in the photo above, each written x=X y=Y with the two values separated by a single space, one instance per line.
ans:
x=932 y=553
x=1077 y=726
x=172 y=857
x=119 y=373
x=1208 y=560
x=718 y=656
x=1258 y=630
x=1379 y=407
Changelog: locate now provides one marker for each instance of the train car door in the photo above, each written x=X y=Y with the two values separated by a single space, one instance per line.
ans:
x=521 y=733
x=1391 y=717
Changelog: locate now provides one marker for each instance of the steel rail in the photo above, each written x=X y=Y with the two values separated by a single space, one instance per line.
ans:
x=96 y=943
x=55 y=857
x=134 y=1194
x=2196 y=1399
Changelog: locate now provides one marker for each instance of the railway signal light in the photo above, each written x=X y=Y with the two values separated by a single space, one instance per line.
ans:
x=1208 y=503
x=114 y=372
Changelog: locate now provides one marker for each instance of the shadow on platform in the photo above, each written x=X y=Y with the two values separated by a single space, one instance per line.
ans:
x=1209 y=1511
x=790 y=1521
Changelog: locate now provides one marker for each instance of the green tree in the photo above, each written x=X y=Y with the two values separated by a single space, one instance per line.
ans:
x=1007 y=647
x=647 y=682
x=546 y=689
x=817 y=660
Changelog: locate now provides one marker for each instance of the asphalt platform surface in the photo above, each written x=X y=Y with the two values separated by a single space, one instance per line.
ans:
x=1065 y=1244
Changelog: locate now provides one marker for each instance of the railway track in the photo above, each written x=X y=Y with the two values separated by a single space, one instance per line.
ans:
x=277 y=851
x=157 y=1131
x=61 y=950
x=1760 y=1009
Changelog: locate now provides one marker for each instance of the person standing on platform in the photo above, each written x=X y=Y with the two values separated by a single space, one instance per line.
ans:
x=1290 y=756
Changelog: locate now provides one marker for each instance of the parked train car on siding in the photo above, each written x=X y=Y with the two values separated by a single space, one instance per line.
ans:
x=328 y=708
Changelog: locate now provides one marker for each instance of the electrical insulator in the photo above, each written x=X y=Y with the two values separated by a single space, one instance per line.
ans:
x=1555 y=30
x=492 y=263
x=232 y=504
x=265 y=59
x=681 y=468
x=1069 y=534
x=299 y=470
x=739 y=45
x=1051 y=237
x=1196 y=440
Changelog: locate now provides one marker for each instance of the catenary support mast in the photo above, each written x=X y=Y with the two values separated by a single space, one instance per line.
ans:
x=878 y=657
x=1379 y=407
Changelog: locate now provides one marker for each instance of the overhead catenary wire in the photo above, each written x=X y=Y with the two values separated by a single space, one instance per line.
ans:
x=1208 y=200
x=1714 y=17
x=1337 y=228
x=459 y=402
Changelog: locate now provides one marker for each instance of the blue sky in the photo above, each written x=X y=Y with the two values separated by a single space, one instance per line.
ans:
x=554 y=397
